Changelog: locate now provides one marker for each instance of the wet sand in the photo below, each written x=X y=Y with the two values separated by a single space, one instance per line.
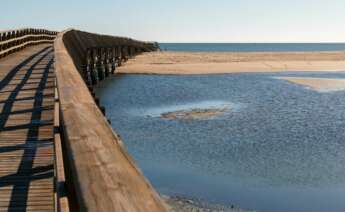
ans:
x=180 y=204
x=318 y=84
x=193 y=114
x=231 y=62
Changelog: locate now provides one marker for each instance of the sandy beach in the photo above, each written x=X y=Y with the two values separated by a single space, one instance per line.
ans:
x=166 y=62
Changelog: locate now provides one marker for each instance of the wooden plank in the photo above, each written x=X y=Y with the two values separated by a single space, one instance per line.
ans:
x=26 y=135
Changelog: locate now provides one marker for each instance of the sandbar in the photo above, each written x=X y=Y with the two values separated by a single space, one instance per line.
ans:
x=178 y=63
x=318 y=84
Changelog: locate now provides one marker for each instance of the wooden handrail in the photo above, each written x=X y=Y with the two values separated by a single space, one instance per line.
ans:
x=15 y=40
x=24 y=45
x=61 y=198
x=103 y=175
x=26 y=37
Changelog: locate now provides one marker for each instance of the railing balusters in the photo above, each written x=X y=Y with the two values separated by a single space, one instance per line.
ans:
x=102 y=61
x=15 y=40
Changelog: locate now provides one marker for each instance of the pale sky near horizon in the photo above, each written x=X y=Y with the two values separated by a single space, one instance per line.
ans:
x=186 y=20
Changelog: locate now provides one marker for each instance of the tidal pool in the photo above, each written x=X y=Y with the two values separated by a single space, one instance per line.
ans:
x=279 y=147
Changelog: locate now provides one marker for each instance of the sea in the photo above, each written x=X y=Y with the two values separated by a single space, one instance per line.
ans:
x=251 y=47
x=279 y=146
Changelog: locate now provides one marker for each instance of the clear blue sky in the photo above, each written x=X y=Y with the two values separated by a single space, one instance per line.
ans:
x=186 y=20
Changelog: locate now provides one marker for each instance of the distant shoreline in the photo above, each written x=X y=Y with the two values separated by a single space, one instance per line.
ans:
x=253 y=47
x=186 y=63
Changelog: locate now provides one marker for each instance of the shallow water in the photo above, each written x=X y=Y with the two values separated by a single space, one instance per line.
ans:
x=282 y=149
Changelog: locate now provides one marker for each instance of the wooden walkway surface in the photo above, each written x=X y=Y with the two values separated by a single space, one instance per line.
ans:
x=26 y=130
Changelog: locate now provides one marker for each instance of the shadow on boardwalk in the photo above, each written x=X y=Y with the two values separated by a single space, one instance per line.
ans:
x=26 y=134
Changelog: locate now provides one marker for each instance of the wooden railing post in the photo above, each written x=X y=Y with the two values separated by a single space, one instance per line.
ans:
x=7 y=45
x=100 y=64
x=123 y=53
x=119 y=56
x=113 y=60
x=95 y=66
x=110 y=57
x=88 y=67
x=107 y=62
x=129 y=51
x=126 y=51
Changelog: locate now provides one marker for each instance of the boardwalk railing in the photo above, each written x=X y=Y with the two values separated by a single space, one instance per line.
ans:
x=15 y=40
x=99 y=171
x=96 y=56
x=102 y=61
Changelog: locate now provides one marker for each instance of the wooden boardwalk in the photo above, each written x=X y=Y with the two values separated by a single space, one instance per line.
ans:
x=26 y=130
x=46 y=110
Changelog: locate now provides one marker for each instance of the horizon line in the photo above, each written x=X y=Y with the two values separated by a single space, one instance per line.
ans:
x=261 y=42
